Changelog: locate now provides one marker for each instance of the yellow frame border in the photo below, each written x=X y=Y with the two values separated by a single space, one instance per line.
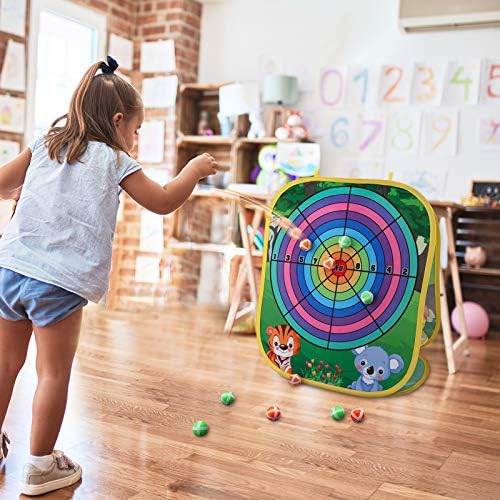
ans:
x=437 y=293
x=425 y=283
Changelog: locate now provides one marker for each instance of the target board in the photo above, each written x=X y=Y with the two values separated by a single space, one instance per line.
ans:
x=348 y=285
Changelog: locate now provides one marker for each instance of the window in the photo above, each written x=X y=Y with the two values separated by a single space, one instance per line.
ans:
x=65 y=40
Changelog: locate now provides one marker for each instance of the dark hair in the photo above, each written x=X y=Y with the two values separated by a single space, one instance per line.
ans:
x=90 y=117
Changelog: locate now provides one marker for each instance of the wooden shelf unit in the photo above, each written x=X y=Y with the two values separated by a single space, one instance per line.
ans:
x=480 y=226
x=236 y=156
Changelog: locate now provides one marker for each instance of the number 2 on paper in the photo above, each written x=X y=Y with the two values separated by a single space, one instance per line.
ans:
x=388 y=96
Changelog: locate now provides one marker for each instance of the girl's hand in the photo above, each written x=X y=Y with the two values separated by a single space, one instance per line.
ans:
x=204 y=165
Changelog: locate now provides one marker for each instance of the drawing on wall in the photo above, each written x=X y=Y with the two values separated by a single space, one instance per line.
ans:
x=122 y=50
x=8 y=151
x=431 y=183
x=157 y=56
x=13 y=75
x=13 y=16
x=440 y=131
x=12 y=114
x=489 y=133
x=152 y=141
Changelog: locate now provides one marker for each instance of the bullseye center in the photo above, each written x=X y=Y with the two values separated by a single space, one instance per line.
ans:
x=340 y=268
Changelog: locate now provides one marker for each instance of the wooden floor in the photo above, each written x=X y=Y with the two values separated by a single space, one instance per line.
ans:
x=141 y=380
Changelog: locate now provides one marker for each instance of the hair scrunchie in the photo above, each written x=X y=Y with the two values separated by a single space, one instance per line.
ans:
x=109 y=69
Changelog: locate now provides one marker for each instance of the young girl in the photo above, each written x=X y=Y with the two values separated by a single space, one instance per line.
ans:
x=55 y=253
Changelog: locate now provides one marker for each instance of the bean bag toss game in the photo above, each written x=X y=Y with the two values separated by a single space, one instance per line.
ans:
x=350 y=285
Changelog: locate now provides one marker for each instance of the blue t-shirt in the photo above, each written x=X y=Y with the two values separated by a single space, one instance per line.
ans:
x=62 y=230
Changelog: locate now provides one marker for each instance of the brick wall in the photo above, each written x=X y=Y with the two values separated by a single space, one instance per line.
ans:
x=144 y=20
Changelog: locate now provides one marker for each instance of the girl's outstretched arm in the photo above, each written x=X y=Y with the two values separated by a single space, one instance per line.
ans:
x=12 y=175
x=165 y=199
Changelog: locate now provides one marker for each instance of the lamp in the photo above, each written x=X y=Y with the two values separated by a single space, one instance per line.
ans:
x=238 y=98
x=280 y=90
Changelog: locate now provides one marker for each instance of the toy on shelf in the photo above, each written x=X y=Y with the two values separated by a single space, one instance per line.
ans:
x=476 y=320
x=475 y=256
x=226 y=124
x=294 y=129
x=266 y=174
x=257 y=129
x=475 y=201
x=203 y=124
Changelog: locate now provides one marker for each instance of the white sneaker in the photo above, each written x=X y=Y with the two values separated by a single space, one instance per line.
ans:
x=4 y=445
x=62 y=473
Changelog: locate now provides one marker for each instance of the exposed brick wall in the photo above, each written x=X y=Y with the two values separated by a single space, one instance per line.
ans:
x=180 y=21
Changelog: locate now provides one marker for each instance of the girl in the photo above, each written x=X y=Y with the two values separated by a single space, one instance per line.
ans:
x=55 y=253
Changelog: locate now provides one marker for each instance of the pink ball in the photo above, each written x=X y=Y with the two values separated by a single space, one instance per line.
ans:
x=476 y=319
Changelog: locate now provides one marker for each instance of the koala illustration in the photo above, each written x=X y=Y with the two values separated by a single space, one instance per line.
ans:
x=375 y=365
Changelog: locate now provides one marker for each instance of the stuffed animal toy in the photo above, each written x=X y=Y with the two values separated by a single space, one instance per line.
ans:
x=294 y=130
x=257 y=129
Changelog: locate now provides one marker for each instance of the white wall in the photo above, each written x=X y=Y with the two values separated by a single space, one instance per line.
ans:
x=245 y=39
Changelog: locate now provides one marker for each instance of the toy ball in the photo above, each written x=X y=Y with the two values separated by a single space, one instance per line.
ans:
x=476 y=319
x=367 y=297
x=345 y=242
x=295 y=233
x=305 y=245
x=357 y=415
x=200 y=428
x=273 y=413
x=337 y=412
x=227 y=398
x=329 y=263
x=295 y=379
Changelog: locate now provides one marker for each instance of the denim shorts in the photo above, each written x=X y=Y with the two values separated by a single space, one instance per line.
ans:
x=41 y=303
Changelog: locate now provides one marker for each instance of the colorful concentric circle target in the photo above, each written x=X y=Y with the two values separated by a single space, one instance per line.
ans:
x=372 y=249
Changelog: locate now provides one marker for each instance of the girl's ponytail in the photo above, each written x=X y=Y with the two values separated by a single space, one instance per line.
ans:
x=93 y=105
x=75 y=114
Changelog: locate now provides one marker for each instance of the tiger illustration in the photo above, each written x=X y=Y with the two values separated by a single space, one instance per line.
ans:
x=283 y=343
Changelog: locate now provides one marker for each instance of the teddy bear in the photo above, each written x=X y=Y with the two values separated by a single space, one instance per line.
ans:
x=294 y=129
x=374 y=365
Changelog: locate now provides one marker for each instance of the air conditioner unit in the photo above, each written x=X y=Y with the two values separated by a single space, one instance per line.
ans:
x=417 y=16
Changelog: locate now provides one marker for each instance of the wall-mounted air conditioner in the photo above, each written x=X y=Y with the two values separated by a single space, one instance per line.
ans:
x=441 y=15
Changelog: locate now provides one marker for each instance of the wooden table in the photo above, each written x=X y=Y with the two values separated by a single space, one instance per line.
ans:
x=453 y=348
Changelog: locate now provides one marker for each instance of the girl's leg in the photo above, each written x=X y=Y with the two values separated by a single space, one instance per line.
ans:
x=14 y=339
x=56 y=347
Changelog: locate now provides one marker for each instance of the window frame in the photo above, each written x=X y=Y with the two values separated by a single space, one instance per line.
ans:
x=73 y=12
